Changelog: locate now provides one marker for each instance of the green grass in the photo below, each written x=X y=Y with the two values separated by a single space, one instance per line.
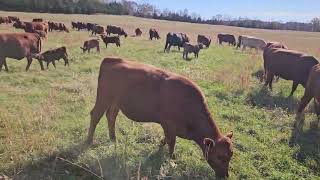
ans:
x=45 y=114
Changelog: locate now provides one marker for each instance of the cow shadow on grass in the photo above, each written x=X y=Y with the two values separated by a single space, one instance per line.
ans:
x=171 y=51
x=308 y=141
x=60 y=165
x=263 y=98
x=57 y=165
x=118 y=166
x=259 y=75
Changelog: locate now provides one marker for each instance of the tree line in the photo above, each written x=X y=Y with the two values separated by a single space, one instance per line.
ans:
x=147 y=11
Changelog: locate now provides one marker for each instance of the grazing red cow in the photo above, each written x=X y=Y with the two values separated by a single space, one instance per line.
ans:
x=312 y=91
x=97 y=30
x=18 y=46
x=147 y=94
x=5 y=20
x=138 y=32
x=37 y=20
x=37 y=27
x=14 y=18
x=19 y=25
x=289 y=65
x=204 y=40
x=90 y=44
x=116 y=30
x=111 y=40
x=153 y=33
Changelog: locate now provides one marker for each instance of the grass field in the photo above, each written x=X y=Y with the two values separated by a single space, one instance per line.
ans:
x=44 y=115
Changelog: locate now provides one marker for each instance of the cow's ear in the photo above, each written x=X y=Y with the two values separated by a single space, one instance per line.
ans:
x=209 y=142
x=229 y=135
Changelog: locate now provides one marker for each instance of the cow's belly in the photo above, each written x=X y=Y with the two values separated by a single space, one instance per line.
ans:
x=141 y=106
x=11 y=53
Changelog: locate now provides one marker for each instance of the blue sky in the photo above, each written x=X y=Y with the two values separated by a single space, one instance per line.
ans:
x=283 y=10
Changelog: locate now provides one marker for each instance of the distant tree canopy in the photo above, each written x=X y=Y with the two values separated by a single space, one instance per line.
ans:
x=148 y=11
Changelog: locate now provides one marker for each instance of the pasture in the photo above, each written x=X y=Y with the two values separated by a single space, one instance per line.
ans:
x=44 y=115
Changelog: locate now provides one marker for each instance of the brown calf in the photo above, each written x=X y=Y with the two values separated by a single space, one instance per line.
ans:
x=111 y=40
x=90 y=44
x=145 y=93
x=189 y=48
x=153 y=33
x=54 y=55
x=138 y=32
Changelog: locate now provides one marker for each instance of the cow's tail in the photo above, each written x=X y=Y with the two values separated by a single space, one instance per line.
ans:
x=39 y=44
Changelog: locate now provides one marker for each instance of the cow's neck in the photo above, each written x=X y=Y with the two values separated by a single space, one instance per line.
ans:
x=206 y=128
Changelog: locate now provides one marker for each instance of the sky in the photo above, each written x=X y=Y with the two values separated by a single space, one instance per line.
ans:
x=280 y=10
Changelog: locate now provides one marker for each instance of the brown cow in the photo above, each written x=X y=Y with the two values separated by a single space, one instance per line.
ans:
x=90 y=44
x=14 y=18
x=111 y=40
x=57 y=27
x=289 y=65
x=189 y=48
x=145 y=93
x=116 y=30
x=97 y=30
x=19 y=46
x=138 y=32
x=175 y=39
x=312 y=91
x=19 y=25
x=204 y=40
x=5 y=20
x=54 y=55
x=37 y=27
x=271 y=45
x=227 y=38
x=153 y=33
x=37 y=20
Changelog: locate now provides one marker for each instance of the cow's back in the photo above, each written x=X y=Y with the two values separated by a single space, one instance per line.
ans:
x=147 y=94
x=253 y=42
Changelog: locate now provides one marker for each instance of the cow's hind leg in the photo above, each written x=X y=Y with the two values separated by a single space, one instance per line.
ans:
x=66 y=61
x=5 y=65
x=29 y=59
x=269 y=80
x=3 y=62
x=54 y=64
x=294 y=88
x=304 y=102
x=111 y=114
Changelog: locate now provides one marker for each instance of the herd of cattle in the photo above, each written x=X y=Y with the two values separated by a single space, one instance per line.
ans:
x=145 y=93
